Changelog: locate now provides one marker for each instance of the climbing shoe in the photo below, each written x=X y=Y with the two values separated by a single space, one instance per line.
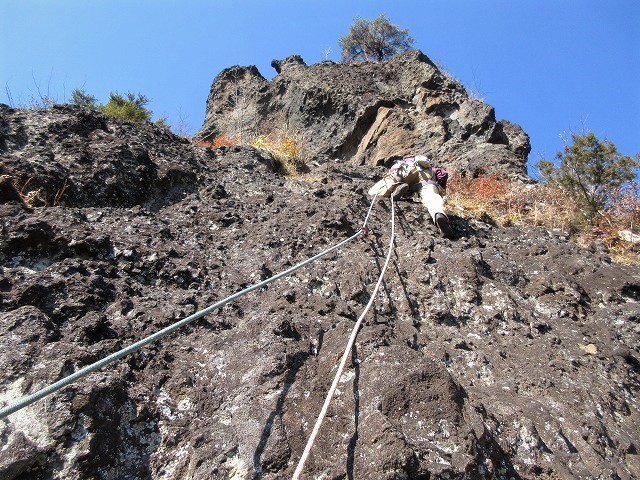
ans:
x=443 y=224
x=400 y=190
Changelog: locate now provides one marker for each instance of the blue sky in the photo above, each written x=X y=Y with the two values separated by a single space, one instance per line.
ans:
x=553 y=66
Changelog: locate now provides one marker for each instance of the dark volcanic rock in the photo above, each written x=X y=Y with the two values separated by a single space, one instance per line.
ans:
x=370 y=112
x=74 y=157
x=507 y=353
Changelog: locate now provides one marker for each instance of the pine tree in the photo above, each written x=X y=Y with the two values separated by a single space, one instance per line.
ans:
x=130 y=108
x=82 y=99
x=591 y=170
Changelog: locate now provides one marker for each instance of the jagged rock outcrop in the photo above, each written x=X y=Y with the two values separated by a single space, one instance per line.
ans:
x=371 y=113
x=507 y=353
x=79 y=158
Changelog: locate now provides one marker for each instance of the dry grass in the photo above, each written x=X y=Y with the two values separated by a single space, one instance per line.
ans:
x=285 y=149
x=36 y=197
x=496 y=200
x=31 y=198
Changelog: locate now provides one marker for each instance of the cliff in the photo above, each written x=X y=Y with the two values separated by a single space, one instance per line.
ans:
x=505 y=353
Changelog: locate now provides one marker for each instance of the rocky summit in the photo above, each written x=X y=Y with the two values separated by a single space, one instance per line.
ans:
x=370 y=113
x=503 y=353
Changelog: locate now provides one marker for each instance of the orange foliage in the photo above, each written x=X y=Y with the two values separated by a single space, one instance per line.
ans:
x=485 y=188
x=220 y=141
x=511 y=203
x=496 y=199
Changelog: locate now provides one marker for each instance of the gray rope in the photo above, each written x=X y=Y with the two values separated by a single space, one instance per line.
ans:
x=34 y=397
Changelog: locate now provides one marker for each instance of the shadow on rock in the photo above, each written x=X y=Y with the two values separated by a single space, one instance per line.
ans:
x=261 y=466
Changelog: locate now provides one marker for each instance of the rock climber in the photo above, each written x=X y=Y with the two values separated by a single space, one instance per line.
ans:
x=415 y=174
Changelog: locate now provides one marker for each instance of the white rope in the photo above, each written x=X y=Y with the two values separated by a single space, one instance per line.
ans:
x=48 y=390
x=347 y=351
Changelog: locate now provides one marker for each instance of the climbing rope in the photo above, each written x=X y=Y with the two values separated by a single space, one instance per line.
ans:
x=34 y=397
x=347 y=351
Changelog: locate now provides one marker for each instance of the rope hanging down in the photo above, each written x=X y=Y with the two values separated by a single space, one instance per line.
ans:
x=38 y=395
x=347 y=351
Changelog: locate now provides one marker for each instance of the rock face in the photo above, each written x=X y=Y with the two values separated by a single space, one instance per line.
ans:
x=507 y=353
x=78 y=158
x=371 y=113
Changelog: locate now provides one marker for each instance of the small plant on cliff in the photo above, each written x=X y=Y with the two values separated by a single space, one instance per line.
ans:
x=591 y=170
x=374 y=40
x=81 y=98
x=223 y=140
x=130 y=108
x=285 y=150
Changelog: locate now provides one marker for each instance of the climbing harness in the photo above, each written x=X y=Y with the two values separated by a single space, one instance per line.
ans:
x=347 y=351
x=38 y=395
x=366 y=233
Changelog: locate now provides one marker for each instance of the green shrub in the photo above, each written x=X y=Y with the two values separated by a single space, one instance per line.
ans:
x=590 y=170
x=83 y=99
x=130 y=108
